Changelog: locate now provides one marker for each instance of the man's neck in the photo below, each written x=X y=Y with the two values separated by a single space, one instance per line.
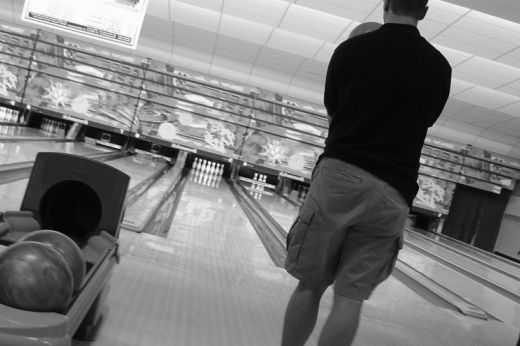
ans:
x=391 y=18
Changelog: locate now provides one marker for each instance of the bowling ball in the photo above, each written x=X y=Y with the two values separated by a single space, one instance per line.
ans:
x=35 y=277
x=364 y=28
x=66 y=247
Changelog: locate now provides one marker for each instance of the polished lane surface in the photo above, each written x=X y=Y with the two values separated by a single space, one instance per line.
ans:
x=509 y=283
x=501 y=307
x=502 y=264
x=211 y=282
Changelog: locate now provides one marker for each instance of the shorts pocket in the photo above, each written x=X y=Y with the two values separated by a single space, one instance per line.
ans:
x=343 y=176
x=296 y=235
x=387 y=270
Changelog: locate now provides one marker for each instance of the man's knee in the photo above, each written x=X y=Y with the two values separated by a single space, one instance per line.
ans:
x=347 y=301
x=316 y=287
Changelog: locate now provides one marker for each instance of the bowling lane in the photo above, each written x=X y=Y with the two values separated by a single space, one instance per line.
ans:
x=465 y=261
x=21 y=131
x=278 y=207
x=501 y=264
x=138 y=168
x=14 y=152
x=211 y=282
x=483 y=297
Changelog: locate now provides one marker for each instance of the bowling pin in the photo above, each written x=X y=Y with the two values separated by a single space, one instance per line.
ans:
x=63 y=130
x=194 y=164
x=259 y=185
x=212 y=168
x=203 y=167
x=253 y=184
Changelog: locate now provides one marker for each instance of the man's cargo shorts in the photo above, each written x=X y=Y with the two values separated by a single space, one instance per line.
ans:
x=349 y=230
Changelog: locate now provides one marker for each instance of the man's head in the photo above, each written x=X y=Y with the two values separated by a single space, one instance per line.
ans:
x=407 y=10
x=364 y=28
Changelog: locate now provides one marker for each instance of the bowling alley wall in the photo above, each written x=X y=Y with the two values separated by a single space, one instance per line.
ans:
x=46 y=75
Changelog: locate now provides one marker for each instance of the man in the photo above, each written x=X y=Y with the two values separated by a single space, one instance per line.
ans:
x=383 y=90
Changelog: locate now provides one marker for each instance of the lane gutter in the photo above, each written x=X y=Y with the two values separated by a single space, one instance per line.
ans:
x=150 y=220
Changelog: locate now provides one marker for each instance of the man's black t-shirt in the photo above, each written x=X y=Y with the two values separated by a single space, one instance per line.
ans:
x=383 y=90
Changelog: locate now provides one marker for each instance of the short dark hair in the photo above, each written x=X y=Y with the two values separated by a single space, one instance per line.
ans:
x=411 y=8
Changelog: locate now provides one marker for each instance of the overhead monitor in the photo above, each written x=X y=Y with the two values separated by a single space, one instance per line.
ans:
x=115 y=21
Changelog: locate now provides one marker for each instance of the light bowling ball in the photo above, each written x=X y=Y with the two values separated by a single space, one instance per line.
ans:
x=364 y=28
x=35 y=277
x=67 y=248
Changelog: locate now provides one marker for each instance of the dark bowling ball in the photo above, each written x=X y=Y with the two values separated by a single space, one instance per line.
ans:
x=35 y=277
x=66 y=247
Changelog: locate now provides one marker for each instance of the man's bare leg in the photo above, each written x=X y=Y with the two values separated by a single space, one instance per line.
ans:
x=342 y=323
x=301 y=314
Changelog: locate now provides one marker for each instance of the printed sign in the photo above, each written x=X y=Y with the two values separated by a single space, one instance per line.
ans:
x=114 y=21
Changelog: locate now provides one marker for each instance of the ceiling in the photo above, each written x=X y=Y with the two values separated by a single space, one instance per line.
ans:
x=285 y=45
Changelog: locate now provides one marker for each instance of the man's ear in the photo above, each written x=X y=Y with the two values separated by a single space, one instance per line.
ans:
x=422 y=14
x=386 y=5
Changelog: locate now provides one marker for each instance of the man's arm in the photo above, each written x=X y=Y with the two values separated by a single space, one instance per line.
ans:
x=330 y=98
x=447 y=89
